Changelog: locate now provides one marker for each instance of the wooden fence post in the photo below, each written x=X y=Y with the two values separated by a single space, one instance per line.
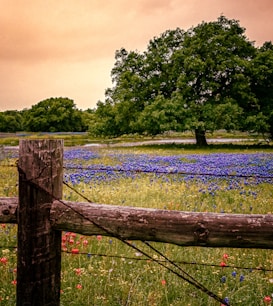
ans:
x=39 y=246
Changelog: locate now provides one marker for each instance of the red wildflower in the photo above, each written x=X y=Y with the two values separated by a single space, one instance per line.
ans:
x=225 y=256
x=14 y=282
x=78 y=271
x=222 y=264
x=85 y=242
x=99 y=237
x=163 y=282
x=267 y=300
x=79 y=286
x=3 y=260
x=75 y=251
x=71 y=241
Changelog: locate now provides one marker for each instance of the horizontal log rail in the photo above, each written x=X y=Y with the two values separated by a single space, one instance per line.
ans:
x=170 y=226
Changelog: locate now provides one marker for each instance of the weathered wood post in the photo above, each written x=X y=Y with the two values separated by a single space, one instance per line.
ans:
x=40 y=169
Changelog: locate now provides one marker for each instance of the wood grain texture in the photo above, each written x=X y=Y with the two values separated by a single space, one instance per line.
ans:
x=39 y=245
x=177 y=227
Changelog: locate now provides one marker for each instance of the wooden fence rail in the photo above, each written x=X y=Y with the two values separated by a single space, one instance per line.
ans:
x=41 y=219
x=170 y=226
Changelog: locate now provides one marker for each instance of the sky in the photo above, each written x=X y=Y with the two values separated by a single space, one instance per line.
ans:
x=66 y=48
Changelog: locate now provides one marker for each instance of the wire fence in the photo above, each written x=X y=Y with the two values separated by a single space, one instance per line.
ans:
x=175 y=172
x=164 y=261
x=138 y=258
x=171 y=172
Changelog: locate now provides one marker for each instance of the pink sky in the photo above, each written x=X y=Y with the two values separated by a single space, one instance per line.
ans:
x=66 y=48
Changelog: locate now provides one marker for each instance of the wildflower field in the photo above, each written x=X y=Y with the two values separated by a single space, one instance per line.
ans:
x=101 y=270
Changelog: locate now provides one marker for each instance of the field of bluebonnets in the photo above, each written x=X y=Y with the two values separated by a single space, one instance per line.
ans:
x=104 y=271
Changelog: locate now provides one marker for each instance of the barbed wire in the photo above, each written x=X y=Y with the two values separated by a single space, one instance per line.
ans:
x=77 y=192
x=101 y=169
x=178 y=172
x=8 y=247
x=89 y=254
x=8 y=166
x=176 y=270
x=193 y=263
x=181 y=274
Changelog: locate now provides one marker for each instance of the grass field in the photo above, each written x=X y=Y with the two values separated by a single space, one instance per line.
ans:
x=108 y=272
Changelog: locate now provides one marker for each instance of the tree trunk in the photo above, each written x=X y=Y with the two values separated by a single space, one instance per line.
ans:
x=200 y=136
x=271 y=127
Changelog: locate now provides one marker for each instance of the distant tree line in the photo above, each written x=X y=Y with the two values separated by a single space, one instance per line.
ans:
x=207 y=78
x=50 y=115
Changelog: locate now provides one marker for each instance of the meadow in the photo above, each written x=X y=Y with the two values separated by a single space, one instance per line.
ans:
x=101 y=270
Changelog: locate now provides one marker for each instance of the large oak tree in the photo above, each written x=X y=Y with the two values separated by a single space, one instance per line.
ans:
x=207 y=78
x=214 y=84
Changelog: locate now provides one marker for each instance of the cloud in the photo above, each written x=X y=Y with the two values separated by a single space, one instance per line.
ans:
x=38 y=29
x=82 y=29
x=67 y=47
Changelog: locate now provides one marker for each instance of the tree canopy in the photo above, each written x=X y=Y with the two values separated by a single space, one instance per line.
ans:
x=54 y=115
x=11 y=121
x=50 y=115
x=262 y=86
x=206 y=78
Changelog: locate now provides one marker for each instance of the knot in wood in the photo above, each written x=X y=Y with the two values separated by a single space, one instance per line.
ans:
x=6 y=212
x=201 y=233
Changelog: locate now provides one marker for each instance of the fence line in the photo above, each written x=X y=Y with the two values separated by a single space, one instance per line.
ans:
x=41 y=219
x=174 y=267
x=185 y=228
x=193 y=263
x=169 y=172
x=36 y=182
x=105 y=169
x=177 y=262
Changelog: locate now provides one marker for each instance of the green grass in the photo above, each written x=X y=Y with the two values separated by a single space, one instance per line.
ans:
x=149 y=192
x=110 y=273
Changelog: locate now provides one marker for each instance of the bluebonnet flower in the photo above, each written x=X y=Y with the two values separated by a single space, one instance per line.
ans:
x=223 y=279
x=130 y=165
